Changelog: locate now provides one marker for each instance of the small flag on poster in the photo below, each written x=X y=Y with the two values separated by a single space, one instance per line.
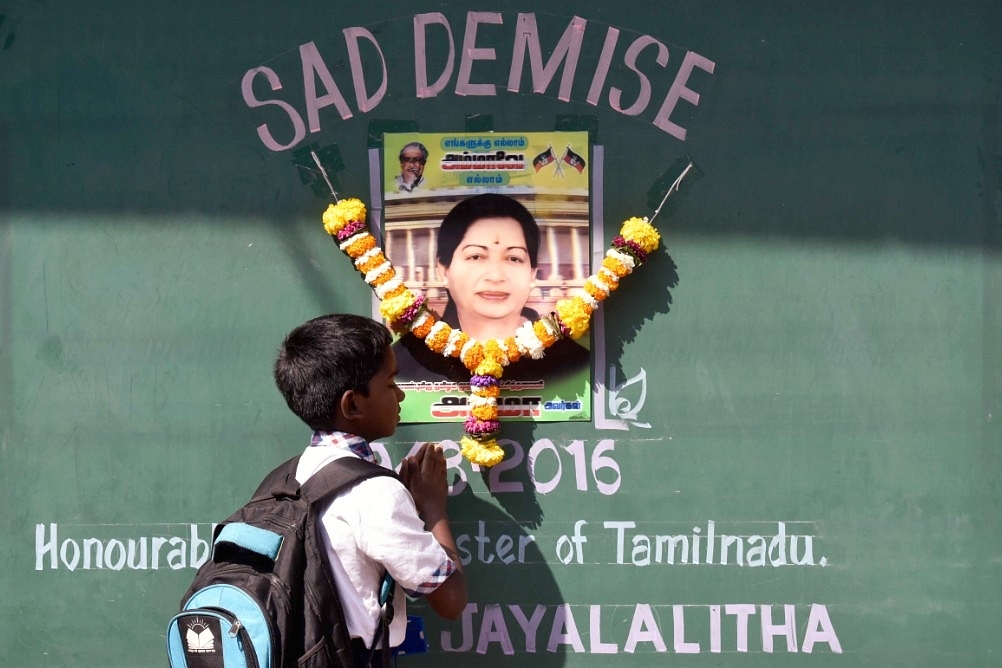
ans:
x=574 y=160
x=544 y=159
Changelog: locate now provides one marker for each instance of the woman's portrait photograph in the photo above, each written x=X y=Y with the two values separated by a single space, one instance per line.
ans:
x=499 y=233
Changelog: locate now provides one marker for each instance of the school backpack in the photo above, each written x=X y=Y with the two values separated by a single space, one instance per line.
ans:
x=266 y=598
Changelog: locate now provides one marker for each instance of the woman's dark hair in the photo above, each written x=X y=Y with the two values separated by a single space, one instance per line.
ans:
x=470 y=210
x=488 y=205
x=322 y=359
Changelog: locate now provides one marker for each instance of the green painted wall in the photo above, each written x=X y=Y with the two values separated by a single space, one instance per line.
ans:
x=820 y=339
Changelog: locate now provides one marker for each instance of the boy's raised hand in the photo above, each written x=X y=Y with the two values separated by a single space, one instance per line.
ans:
x=424 y=474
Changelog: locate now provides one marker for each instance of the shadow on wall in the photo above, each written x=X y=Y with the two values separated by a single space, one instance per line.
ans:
x=502 y=597
x=512 y=586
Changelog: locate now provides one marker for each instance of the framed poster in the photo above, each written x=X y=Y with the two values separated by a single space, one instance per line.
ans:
x=492 y=229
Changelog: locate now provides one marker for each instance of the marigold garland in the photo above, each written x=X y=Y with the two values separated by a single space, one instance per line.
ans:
x=404 y=312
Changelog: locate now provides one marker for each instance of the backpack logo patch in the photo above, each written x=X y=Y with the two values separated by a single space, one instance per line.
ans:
x=199 y=638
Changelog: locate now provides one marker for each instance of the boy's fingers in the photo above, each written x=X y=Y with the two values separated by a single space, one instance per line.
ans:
x=434 y=456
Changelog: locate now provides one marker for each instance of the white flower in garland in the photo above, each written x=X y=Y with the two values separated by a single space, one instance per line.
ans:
x=526 y=339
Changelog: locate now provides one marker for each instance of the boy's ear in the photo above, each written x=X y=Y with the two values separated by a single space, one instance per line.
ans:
x=349 y=405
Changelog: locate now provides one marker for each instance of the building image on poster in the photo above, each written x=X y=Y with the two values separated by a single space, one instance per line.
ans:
x=492 y=229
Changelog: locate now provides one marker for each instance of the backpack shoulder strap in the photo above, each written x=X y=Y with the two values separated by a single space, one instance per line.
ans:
x=322 y=486
x=335 y=476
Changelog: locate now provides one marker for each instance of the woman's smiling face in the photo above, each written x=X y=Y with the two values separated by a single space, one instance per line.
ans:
x=490 y=275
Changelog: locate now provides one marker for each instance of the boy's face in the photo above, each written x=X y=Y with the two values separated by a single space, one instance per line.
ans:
x=380 y=411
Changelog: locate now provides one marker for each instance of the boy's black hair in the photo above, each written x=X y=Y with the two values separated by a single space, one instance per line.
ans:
x=325 y=357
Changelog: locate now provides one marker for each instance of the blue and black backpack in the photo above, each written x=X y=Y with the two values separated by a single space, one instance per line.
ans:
x=266 y=597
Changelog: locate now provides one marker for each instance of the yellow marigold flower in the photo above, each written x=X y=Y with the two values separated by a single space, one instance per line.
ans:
x=487 y=453
x=642 y=233
x=575 y=315
x=489 y=366
x=391 y=308
x=492 y=349
x=337 y=216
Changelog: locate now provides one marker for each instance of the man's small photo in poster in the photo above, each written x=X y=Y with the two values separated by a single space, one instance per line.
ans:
x=413 y=158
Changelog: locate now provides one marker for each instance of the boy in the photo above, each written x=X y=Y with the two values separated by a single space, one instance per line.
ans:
x=337 y=373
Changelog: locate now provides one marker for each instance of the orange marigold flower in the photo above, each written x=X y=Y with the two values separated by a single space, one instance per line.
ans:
x=359 y=244
x=438 y=338
x=460 y=342
x=472 y=355
x=511 y=349
x=595 y=291
x=615 y=266
x=371 y=262
x=545 y=334
x=423 y=326
x=485 y=412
